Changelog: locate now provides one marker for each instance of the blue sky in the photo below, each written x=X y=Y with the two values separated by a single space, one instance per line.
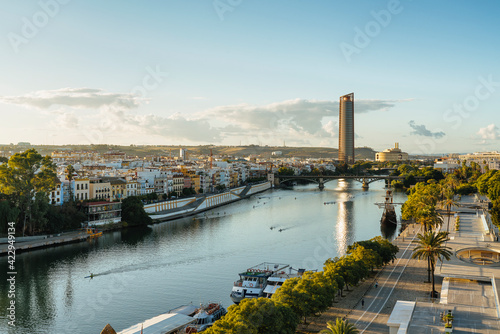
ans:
x=224 y=72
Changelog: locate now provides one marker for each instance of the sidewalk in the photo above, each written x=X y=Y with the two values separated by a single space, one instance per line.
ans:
x=48 y=242
x=403 y=280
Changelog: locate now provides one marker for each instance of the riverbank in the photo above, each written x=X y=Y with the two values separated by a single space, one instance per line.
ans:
x=177 y=209
x=408 y=285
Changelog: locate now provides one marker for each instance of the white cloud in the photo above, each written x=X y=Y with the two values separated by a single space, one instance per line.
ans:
x=81 y=98
x=103 y=116
x=489 y=132
x=303 y=116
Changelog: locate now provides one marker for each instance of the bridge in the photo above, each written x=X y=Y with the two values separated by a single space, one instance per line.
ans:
x=322 y=179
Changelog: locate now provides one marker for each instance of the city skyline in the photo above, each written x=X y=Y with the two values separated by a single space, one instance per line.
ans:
x=230 y=72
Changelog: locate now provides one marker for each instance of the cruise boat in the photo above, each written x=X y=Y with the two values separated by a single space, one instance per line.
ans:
x=184 y=319
x=254 y=280
x=277 y=279
x=205 y=317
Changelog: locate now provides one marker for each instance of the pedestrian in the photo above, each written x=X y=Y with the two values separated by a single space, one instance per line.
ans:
x=392 y=261
x=376 y=284
x=362 y=302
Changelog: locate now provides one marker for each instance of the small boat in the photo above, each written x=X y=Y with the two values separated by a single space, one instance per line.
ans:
x=331 y=202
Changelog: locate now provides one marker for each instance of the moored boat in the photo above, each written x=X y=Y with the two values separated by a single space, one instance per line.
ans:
x=262 y=280
x=277 y=279
x=183 y=319
x=205 y=317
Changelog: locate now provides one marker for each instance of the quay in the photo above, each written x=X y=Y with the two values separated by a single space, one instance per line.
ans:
x=400 y=302
x=23 y=244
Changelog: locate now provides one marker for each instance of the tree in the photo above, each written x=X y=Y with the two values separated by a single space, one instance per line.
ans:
x=351 y=270
x=369 y=257
x=448 y=203
x=286 y=171
x=257 y=315
x=70 y=170
x=25 y=175
x=431 y=248
x=383 y=247
x=8 y=213
x=306 y=295
x=133 y=212
x=340 y=327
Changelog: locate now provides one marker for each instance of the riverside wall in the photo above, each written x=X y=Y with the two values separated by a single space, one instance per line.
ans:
x=184 y=207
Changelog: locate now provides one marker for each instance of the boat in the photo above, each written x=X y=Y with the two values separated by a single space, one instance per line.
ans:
x=205 y=317
x=275 y=281
x=183 y=319
x=254 y=281
x=389 y=216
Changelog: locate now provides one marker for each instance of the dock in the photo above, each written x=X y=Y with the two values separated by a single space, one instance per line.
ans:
x=27 y=244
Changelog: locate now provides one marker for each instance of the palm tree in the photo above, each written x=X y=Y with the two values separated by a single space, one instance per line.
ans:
x=70 y=170
x=431 y=247
x=448 y=203
x=340 y=327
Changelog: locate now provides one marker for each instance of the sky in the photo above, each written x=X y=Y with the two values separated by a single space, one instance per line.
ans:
x=425 y=74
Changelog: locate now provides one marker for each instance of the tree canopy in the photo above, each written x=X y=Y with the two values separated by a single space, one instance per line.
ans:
x=259 y=315
x=26 y=178
x=133 y=212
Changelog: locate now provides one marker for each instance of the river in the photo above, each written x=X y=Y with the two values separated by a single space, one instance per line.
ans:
x=141 y=273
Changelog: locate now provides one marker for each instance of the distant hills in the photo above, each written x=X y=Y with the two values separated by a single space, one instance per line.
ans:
x=236 y=151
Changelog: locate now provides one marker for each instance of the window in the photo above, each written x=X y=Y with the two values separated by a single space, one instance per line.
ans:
x=86 y=186
x=77 y=187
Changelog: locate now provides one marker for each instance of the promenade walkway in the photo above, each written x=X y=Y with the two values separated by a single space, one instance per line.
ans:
x=55 y=240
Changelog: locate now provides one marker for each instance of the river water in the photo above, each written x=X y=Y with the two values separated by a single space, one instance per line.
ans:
x=141 y=273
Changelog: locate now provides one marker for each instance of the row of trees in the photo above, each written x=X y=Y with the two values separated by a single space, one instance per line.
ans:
x=308 y=295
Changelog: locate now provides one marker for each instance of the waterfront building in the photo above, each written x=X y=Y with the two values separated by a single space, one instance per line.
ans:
x=391 y=154
x=56 y=195
x=131 y=187
x=99 y=189
x=178 y=179
x=80 y=187
x=346 y=128
x=99 y=213
x=118 y=188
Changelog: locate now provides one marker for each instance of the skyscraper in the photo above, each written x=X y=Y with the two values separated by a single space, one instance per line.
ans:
x=346 y=128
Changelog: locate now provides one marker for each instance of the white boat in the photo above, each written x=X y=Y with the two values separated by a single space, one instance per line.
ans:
x=277 y=279
x=254 y=281
x=184 y=319
x=205 y=317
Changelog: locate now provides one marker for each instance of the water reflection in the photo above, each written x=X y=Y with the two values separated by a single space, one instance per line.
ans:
x=388 y=230
x=345 y=217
